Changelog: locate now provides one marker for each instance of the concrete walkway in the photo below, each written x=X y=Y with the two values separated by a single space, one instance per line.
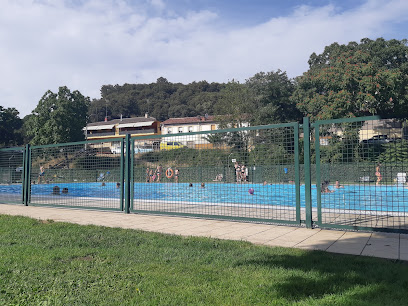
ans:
x=384 y=245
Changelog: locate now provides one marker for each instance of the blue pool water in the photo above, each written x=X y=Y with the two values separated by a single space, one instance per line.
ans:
x=353 y=197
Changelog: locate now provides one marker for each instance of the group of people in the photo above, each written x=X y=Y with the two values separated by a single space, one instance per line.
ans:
x=202 y=185
x=325 y=187
x=56 y=190
x=117 y=184
x=155 y=175
x=241 y=172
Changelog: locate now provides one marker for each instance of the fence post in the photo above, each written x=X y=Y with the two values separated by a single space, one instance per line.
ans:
x=122 y=173
x=27 y=174
x=127 y=182
x=23 y=177
x=131 y=175
x=297 y=172
x=318 y=174
x=308 y=183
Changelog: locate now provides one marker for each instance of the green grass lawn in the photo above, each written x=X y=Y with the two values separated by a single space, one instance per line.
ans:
x=51 y=263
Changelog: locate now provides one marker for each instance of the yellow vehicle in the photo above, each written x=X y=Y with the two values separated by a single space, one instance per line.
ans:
x=170 y=145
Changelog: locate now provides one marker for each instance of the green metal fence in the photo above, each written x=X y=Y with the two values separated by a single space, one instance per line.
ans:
x=12 y=175
x=81 y=175
x=361 y=169
x=345 y=173
x=243 y=174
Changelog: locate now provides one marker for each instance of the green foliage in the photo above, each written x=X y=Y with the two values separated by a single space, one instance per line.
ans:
x=340 y=149
x=272 y=92
x=263 y=99
x=216 y=140
x=356 y=80
x=58 y=117
x=370 y=152
x=270 y=154
x=161 y=100
x=394 y=152
x=185 y=157
x=91 y=162
x=235 y=106
x=10 y=125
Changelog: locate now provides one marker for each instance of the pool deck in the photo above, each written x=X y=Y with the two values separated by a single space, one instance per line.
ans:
x=383 y=245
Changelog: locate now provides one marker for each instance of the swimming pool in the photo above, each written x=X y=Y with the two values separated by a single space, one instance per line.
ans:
x=352 y=197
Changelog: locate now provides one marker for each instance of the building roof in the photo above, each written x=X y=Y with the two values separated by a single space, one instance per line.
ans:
x=189 y=120
x=109 y=124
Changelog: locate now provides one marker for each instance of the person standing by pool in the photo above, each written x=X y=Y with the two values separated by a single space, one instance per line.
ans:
x=41 y=174
x=176 y=175
x=237 y=171
x=244 y=172
x=378 y=174
x=159 y=171
x=151 y=174
x=147 y=175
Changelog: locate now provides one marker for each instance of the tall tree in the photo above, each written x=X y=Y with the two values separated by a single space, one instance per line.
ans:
x=10 y=125
x=58 y=117
x=272 y=92
x=356 y=80
x=234 y=109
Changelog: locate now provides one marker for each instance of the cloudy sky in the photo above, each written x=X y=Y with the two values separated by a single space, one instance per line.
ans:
x=84 y=44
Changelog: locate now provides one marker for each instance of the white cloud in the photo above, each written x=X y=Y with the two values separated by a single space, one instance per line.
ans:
x=47 y=44
x=158 y=4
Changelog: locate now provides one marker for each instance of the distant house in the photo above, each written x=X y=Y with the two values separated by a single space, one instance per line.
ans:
x=137 y=126
x=188 y=125
x=372 y=131
x=185 y=125
x=388 y=128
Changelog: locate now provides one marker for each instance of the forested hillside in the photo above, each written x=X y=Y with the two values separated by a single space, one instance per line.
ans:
x=161 y=100
x=263 y=98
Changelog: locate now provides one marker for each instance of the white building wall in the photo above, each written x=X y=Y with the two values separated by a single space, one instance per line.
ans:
x=189 y=140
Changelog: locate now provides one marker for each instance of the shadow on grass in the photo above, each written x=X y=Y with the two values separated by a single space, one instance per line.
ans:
x=318 y=274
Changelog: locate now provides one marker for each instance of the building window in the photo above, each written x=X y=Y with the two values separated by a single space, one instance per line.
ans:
x=180 y=130
x=168 y=130
x=190 y=129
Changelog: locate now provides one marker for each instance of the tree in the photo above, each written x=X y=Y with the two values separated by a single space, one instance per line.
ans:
x=58 y=117
x=272 y=92
x=356 y=80
x=235 y=106
x=10 y=125
x=217 y=140
x=394 y=153
x=234 y=109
